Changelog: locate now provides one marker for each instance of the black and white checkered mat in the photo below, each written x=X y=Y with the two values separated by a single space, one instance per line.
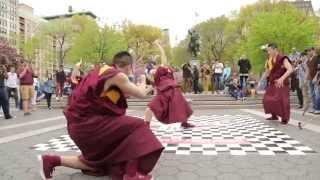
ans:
x=215 y=134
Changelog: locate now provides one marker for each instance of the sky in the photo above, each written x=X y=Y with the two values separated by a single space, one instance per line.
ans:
x=176 y=15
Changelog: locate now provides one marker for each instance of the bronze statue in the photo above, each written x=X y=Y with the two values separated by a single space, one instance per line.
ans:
x=194 y=44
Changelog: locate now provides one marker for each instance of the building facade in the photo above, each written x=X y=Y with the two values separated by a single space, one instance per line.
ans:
x=56 y=50
x=28 y=26
x=28 y=23
x=8 y=20
x=303 y=5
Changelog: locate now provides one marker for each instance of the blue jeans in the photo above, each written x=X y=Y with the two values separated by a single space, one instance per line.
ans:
x=241 y=94
x=217 y=81
x=243 y=81
x=317 y=97
x=313 y=90
x=4 y=102
x=234 y=94
x=237 y=94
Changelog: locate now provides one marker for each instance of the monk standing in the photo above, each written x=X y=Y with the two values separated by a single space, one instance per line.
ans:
x=276 y=100
x=111 y=143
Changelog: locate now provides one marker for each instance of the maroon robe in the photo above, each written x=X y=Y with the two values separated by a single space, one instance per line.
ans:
x=107 y=138
x=276 y=100
x=169 y=105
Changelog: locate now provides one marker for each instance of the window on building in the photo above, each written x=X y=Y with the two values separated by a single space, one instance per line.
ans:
x=3 y=5
x=3 y=22
x=3 y=30
x=3 y=14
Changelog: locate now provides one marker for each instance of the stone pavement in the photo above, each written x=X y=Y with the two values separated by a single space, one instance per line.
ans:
x=18 y=161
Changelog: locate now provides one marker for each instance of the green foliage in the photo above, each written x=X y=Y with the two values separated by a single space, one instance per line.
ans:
x=181 y=54
x=286 y=26
x=30 y=47
x=217 y=35
x=243 y=33
x=60 y=31
x=140 y=38
x=83 y=44
x=37 y=46
x=93 y=44
x=114 y=42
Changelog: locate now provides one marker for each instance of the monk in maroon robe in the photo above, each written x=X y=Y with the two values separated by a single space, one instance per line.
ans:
x=110 y=142
x=169 y=105
x=276 y=100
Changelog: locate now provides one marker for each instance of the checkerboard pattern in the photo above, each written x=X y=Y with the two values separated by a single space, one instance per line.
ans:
x=214 y=135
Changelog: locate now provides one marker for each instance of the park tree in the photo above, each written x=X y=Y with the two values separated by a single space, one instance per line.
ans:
x=60 y=31
x=216 y=34
x=10 y=52
x=181 y=54
x=110 y=42
x=93 y=44
x=247 y=13
x=83 y=41
x=30 y=47
x=141 y=38
x=284 y=25
x=244 y=32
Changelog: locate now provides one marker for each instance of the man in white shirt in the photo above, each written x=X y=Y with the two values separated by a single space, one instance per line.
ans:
x=217 y=69
x=12 y=85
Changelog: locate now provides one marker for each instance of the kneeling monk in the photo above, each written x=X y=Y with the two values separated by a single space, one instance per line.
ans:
x=276 y=100
x=169 y=105
x=111 y=143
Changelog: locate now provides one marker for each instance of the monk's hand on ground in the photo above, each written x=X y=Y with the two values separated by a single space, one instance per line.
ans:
x=279 y=83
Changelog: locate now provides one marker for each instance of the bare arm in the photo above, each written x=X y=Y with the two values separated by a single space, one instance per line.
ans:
x=24 y=71
x=127 y=87
x=163 y=56
x=74 y=75
x=289 y=68
x=316 y=77
x=5 y=75
x=266 y=73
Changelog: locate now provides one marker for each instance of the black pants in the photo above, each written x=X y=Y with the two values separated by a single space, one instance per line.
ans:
x=196 y=86
x=4 y=102
x=300 y=96
x=243 y=81
x=48 y=98
x=13 y=92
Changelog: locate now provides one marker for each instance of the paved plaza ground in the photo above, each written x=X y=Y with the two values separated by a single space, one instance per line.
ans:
x=226 y=144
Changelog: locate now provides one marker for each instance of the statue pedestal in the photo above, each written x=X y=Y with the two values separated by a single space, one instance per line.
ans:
x=195 y=62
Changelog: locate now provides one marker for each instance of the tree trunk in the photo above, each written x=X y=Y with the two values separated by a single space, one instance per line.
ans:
x=61 y=52
x=60 y=62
